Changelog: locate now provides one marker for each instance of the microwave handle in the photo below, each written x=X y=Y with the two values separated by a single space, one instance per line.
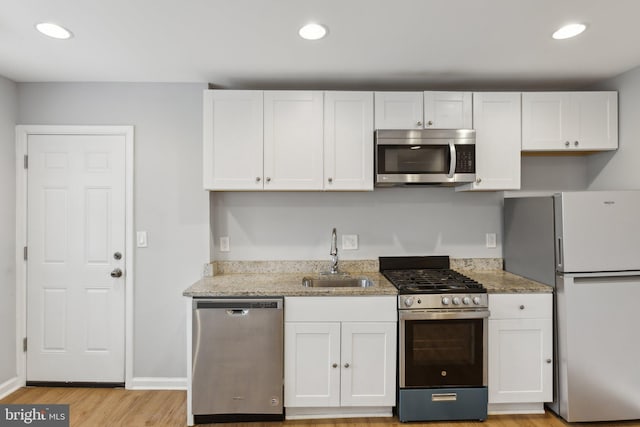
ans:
x=452 y=162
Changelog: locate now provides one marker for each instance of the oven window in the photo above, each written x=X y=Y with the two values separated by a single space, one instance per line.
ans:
x=413 y=159
x=443 y=353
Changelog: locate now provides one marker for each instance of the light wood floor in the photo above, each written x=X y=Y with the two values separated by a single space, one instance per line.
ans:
x=119 y=407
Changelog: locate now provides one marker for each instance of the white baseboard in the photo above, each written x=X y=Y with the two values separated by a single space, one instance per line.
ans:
x=158 y=383
x=338 y=412
x=516 y=408
x=9 y=386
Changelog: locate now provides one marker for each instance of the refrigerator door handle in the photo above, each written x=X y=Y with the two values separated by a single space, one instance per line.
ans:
x=559 y=252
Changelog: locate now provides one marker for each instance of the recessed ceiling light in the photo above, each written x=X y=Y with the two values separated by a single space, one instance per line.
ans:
x=53 y=30
x=569 y=31
x=312 y=32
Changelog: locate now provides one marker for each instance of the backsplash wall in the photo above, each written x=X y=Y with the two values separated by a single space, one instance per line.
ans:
x=390 y=221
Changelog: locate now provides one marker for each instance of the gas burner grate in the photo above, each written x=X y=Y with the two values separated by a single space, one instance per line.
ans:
x=432 y=280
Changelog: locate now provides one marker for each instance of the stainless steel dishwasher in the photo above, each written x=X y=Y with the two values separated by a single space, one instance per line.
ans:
x=238 y=350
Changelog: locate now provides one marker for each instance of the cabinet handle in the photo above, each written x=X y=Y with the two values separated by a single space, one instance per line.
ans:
x=522 y=307
x=478 y=180
x=567 y=143
x=429 y=123
x=346 y=365
x=548 y=360
x=419 y=124
x=258 y=179
x=575 y=143
x=268 y=179
x=330 y=180
x=335 y=365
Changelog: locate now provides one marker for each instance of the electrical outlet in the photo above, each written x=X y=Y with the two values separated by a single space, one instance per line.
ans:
x=491 y=240
x=349 y=242
x=224 y=244
x=207 y=271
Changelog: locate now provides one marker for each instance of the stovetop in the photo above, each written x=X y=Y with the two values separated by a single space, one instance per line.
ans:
x=426 y=275
x=432 y=281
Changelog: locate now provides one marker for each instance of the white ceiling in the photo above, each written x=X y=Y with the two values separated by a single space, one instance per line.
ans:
x=375 y=44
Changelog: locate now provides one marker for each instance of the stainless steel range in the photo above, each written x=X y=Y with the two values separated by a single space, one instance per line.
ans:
x=442 y=340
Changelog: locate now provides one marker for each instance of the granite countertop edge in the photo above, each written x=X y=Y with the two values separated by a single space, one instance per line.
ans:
x=289 y=284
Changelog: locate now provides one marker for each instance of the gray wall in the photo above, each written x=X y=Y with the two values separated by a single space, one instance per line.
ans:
x=620 y=169
x=8 y=108
x=169 y=201
x=391 y=221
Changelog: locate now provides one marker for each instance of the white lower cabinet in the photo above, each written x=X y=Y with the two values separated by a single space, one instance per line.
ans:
x=520 y=352
x=340 y=361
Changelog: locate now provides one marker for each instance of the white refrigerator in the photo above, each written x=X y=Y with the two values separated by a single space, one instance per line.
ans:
x=586 y=245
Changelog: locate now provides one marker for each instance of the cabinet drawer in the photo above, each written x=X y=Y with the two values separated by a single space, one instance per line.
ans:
x=520 y=306
x=340 y=309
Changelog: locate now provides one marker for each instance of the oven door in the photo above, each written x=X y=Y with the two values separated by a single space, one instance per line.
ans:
x=443 y=349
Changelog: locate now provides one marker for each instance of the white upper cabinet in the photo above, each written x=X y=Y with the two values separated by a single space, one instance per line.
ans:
x=448 y=110
x=288 y=140
x=423 y=110
x=399 y=110
x=232 y=140
x=293 y=140
x=496 y=118
x=348 y=140
x=569 y=121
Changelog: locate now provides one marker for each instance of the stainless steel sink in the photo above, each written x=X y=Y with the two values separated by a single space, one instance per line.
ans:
x=337 y=282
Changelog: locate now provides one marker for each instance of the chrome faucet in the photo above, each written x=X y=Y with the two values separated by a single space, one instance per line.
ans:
x=334 y=253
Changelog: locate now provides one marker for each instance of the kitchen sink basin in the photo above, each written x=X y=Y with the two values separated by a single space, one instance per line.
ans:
x=337 y=282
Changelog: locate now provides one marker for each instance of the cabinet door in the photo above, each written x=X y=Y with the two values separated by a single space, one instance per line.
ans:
x=368 y=364
x=232 y=140
x=312 y=364
x=496 y=118
x=546 y=121
x=520 y=360
x=293 y=140
x=448 y=110
x=398 y=110
x=596 y=115
x=348 y=140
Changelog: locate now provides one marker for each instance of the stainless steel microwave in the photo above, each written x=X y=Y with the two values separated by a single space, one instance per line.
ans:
x=429 y=156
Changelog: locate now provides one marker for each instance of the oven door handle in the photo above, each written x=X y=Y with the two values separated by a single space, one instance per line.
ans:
x=441 y=315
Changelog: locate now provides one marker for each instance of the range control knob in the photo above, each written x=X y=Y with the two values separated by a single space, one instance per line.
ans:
x=476 y=300
x=445 y=300
x=408 y=302
x=456 y=301
x=466 y=300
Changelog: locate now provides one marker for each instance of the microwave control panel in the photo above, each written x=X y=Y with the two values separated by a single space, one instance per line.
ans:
x=465 y=159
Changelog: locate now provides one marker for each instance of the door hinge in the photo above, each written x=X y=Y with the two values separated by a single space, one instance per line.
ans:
x=26 y=161
x=24 y=344
x=25 y=253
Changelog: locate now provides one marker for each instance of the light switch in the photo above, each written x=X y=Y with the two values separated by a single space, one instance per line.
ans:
x=141 y=239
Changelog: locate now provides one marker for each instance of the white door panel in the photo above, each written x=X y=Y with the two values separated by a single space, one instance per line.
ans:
x=599 y=231
x=76 y=222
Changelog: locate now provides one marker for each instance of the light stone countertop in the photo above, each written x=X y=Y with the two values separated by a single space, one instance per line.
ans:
x=284 y=278
x=502 y=282
x=281 y=284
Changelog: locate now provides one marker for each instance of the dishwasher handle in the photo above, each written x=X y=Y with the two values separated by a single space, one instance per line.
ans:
x=237 y=305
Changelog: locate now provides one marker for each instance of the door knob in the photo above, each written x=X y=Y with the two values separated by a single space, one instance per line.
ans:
x=116 y=273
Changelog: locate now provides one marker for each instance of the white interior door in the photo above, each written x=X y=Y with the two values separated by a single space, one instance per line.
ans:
x=75 y=227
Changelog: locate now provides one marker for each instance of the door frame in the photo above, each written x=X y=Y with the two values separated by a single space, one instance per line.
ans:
x=22 y=134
